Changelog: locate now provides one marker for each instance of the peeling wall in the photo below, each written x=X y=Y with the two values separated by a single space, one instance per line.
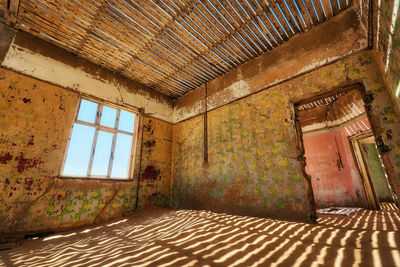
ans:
x=155 y=178
x=253 y=167
x=338 y=37
x=35 y=120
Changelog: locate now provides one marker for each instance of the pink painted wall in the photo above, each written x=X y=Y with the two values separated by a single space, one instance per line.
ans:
x=331 y=186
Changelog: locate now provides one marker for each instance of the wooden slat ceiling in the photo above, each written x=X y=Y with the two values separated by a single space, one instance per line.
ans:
x=172 y=46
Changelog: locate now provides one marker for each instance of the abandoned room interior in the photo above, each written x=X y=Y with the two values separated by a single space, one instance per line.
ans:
x=199 y=133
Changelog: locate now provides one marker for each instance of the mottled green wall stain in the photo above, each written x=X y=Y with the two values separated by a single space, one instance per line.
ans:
x=390 y=115
x=253 y=145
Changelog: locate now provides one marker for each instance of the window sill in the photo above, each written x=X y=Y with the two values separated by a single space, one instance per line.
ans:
x=95 y=178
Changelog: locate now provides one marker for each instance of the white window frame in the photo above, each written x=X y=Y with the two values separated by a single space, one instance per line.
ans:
x=114 y=131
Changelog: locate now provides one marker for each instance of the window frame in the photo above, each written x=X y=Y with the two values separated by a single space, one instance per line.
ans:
x=113 y=130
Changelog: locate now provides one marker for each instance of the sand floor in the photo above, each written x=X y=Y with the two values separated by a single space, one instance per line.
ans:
x=160 y=237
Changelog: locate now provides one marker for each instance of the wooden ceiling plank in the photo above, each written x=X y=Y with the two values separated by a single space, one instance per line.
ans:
x=227 y=28
x=166 y=55
x=290 y=8
x=309 y=10
x=343 y=4
x=302 y=12
x=214 y=41
x=255 y=34
x=279 y=19
x=130 y=35
x=57 y=40
x=199 y=58
x=130 y=15
x=54 y=17
x=285 y=12
x=181 y=48
x=237 y=23
x=126 y=38
x=236 y=12
x=191 y=27
x=258 y=27
x=249 y=32
x=63 y=12
x=162 y=31
x=51 y=29
x=170 y=46
x=233 y=26
x=208 y=61
x=335 y=6
x=221 y=32
x=327 y=8
x=320 y=10
x=266 y=14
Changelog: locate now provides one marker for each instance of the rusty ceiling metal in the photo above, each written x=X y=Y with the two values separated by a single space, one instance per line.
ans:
x=172 y=46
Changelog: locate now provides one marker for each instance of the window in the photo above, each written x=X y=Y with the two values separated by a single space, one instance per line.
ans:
x=101 y=143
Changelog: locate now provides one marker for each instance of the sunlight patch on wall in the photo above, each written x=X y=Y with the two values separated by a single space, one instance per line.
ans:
x=391 y=33
x=398 y=89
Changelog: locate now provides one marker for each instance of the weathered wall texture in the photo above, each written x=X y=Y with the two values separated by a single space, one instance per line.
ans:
x=252 y=169
x=155 y=178
x=35 y=123
x=340 y=36
x=253 y=149
x=387 y=43
x=336 y=181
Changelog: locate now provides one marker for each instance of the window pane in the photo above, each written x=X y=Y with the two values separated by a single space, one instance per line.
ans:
x=121 y=156
x=108 y=116
x=101 y=158
x=87 y=111
x=80 y=146
x=126 y=120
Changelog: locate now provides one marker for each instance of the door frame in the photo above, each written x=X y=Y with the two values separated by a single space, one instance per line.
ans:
x=369 y=189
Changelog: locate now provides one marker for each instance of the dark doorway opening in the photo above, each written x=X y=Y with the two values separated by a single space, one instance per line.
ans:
x=342 y=162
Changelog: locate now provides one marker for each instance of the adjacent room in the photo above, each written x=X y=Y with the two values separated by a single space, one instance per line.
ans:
x=199 y=133
x=341 y=153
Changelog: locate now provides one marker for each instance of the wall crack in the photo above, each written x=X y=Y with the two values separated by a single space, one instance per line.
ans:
x=265 y=115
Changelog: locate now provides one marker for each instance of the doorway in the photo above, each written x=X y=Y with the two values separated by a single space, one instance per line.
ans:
x=342 y=163
x=371 y=168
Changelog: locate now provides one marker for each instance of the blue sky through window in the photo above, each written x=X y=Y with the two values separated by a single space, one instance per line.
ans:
x=87 y=111
x=80 y=146
x=121 y=156
x=102 y=154
x=126 y=120
x=108 y=116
